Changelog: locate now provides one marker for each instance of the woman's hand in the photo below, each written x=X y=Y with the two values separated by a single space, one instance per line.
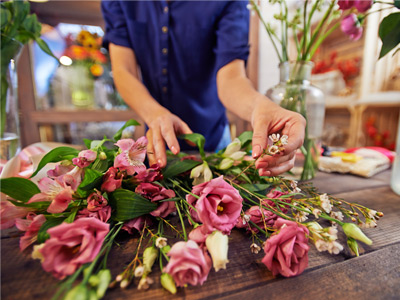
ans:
x=269 y=118
x=163 y=129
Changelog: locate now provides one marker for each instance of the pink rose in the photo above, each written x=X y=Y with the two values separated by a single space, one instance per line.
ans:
x=218 y=207
x=59 y=194
x=9 y=213
x=96 y=201
x=73 y=244
x=351 y=26
x=132 y=155
x=103 y=214
x=149 y=175
x=156 y=193
x=286 y=251
x=136 y=223
x=255 y=215
x=189 y=264
x=85 y=158
x=112 y=180
x=31 y=226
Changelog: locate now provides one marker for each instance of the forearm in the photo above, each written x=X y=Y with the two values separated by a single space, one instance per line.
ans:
x=131 y=89
x=237 y=92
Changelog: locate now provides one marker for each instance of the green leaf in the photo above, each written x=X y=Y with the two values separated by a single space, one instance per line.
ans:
x=91 y=179
x=45 y=48
x=56 y=155
x=245 y=138
x=129 y=123
x=18 y=188
x=32 y=25
x=5 y=17
x=389 y=32
x=100 y=165
x=72 y=216
x=257 y=187
x=50 y=222
x=87 y=143
x=179 y=167
x=129 y=205
x=41 y=205
x=237 y=171
x=196 y=138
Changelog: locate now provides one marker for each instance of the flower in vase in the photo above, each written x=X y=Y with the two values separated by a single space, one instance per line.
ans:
x=218 y=206
x=72 y=244
x=132 y=155
x=286 y=251
x=351 y=26
x=188 y=263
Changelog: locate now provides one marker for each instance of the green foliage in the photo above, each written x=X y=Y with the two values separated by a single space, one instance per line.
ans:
x=56 y=155
x=129 y=123
x=178 y=167
x=129 y=205
x=198 y=139
x=50 y=222
x=389 y=32
x=91 y=180
x=245 y=138
x=18 y=188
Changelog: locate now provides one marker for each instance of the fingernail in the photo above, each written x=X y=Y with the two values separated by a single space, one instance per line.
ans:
x=173 y=149
x=256 y=151
x=159 y=161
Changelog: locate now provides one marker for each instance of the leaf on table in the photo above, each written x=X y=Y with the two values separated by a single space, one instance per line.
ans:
x=196 y=138
x=18 y=188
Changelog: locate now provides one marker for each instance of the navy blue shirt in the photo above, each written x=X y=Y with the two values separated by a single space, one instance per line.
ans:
x=180 y=46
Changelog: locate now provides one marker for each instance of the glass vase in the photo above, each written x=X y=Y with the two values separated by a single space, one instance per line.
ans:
x=395 y=180
x=81 y=86
x=295 y=92
x=9 y=119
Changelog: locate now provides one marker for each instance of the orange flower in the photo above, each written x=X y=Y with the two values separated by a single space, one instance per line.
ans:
x=97 y=70
x=83 y=36
x=77 y=52
x=98 y=57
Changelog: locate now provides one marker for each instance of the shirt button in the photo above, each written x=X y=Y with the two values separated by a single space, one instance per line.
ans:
x=165 y=89
x=164 y=29
x=165 y=51
x=164 y=71
x=165 y=9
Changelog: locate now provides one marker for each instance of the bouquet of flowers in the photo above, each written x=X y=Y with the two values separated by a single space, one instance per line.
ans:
x=183 y=214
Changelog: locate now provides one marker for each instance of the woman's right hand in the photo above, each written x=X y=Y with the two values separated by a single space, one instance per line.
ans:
x=164 y=127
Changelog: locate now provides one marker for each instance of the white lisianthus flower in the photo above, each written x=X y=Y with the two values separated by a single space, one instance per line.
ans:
x=226 y=163
x=217 y=245
x=238 y=155
x=201 y=174
x=233 y=147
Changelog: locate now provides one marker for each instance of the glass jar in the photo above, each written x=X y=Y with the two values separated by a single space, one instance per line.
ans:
x=395 y=181
x=9 y=129
x=295 y=92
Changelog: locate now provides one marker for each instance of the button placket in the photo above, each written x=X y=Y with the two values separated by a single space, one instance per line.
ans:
x=164 y=50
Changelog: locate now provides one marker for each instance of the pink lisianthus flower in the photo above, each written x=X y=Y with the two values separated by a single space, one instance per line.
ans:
x=188 y=264
x=363 y=5
x=156 y=193
x=59 y=194
x=96 y=201
x=132 y=155
x=286 y=251
x=85 y=158
x=351 y=26
x=103 y=214
x=218 y=207
x=31 y=226
x=9 y=213
x=199 y=235
x=112 y=180
x=72 y=244
x=136 y=223
x=259 y=216
x=149 y=175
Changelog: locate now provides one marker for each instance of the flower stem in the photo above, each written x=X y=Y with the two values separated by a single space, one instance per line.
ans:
x=183 y=224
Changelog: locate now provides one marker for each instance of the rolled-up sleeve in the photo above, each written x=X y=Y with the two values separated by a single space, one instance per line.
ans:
x=232 y=34
x=116 y=28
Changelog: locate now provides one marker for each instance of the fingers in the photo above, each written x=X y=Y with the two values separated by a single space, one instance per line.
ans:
x=169 y=136
x=150 y=148
x=295 y=132
x=268 y=162
x=278 y=169
x=259 y=138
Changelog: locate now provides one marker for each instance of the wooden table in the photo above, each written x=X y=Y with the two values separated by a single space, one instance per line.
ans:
x=373 y=275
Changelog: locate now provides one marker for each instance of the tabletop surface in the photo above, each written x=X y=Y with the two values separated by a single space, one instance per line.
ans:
x=373 y=275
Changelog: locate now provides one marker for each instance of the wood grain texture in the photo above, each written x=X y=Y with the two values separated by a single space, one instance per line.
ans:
x=375 y=274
